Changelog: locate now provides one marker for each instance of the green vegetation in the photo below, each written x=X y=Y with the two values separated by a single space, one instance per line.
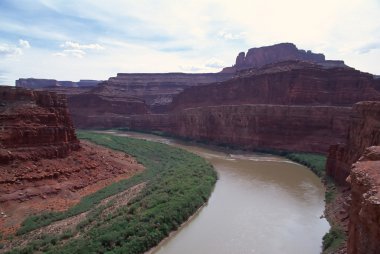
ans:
x=333 y=239
x=178 y=183
x=315 y=162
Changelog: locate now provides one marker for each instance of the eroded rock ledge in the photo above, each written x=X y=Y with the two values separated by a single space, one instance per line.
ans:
x=34 y=125
x=364 y=226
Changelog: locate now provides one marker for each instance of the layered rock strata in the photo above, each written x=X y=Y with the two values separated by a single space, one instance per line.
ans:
x=258 y=57
x=34 y=83
x=364 y=226
x=363 y=131
x=158 y=89
x=34 y=125
x=286 y=83
x=298 y=128
x=102 y=108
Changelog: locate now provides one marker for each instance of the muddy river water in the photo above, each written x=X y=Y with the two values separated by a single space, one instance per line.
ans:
x=260 y=204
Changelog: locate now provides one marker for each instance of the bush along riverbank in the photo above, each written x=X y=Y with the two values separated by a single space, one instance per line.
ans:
x=177 y=184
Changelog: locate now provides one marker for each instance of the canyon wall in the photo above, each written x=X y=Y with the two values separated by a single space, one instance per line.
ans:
x=258 y=57
x=33 y=83
x=364 y=226
x=34 y=124
x=295 y=128
x=287 y=83
x=363 y=131
x=158 y=89
x=101 y=108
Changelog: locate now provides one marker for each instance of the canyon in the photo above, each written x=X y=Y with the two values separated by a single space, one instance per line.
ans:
x=44 y=166
x=273 y=98
x=293 y=105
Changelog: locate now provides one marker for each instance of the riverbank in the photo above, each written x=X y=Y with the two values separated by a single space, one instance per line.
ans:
x=177 y=183
x=336 y=198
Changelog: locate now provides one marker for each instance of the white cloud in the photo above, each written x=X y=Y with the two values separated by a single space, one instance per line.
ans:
x=9 y=50
x=78 y=53
x=232 y=36
x=76 y=46
x=24 y=43
x=76 y=49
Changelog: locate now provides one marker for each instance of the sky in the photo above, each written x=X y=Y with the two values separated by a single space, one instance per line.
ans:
x=96 y=39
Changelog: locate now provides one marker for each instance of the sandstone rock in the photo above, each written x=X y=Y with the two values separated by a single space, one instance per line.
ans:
x=258 y=57
x=158 y=89
x=363 y=131
x=34 y=125
x=33 y=83
x=286 y=83
x=364 y=226
x=299 y=128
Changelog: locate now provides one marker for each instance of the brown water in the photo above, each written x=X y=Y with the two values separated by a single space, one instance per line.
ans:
x=260 y=204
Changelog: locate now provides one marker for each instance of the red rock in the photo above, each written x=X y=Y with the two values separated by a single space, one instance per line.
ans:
x=364 y=225
x=364 y=131
x=286 y=83
x=34 y=125
x=299 y=128
x=258 y=57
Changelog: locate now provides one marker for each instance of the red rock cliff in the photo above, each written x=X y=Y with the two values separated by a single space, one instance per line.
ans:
x=364 y=226
x=286 y=83
x=301 y=128
x=34 y=125
x=364 y=131
x=258 y=57
x=102 y=107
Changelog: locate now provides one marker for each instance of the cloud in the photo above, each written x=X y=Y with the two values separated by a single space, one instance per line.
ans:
x=211 y=65
x=368 y=47
x=24 y=43
x=9 y=50
x=76 y=49
x=215 y=63
x=78 y=53
x=232 y=36
x=76 y=46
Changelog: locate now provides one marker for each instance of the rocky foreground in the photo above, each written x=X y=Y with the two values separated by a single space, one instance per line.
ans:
x=43 y=165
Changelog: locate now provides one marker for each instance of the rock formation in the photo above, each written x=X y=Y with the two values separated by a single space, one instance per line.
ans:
x=33 y=83
x=34 y=125
x=297 y=128
x=103 y=107
x=357 y=163
x=286 y=83
x=43 y=167
x=364 y=226
x=258 y=57
x=158 y=89
x=363 y=131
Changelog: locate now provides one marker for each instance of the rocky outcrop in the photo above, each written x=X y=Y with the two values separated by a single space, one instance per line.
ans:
x=364 y=226
x=286 y=83
x=258 y=57
x=295 y=128
x=33 y=83
x=158 y=89
x=364 y=131
x=34 y=125
x=101 y=108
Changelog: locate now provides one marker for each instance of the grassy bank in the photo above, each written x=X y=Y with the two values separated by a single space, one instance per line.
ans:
x=178 y=183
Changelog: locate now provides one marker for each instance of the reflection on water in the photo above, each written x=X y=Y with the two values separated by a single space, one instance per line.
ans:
x=261 y=204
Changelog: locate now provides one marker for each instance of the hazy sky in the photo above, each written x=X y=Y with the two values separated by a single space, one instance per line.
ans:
x=95 y=39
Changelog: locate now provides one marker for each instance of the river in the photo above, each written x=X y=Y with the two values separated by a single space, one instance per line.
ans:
x=261 y=204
